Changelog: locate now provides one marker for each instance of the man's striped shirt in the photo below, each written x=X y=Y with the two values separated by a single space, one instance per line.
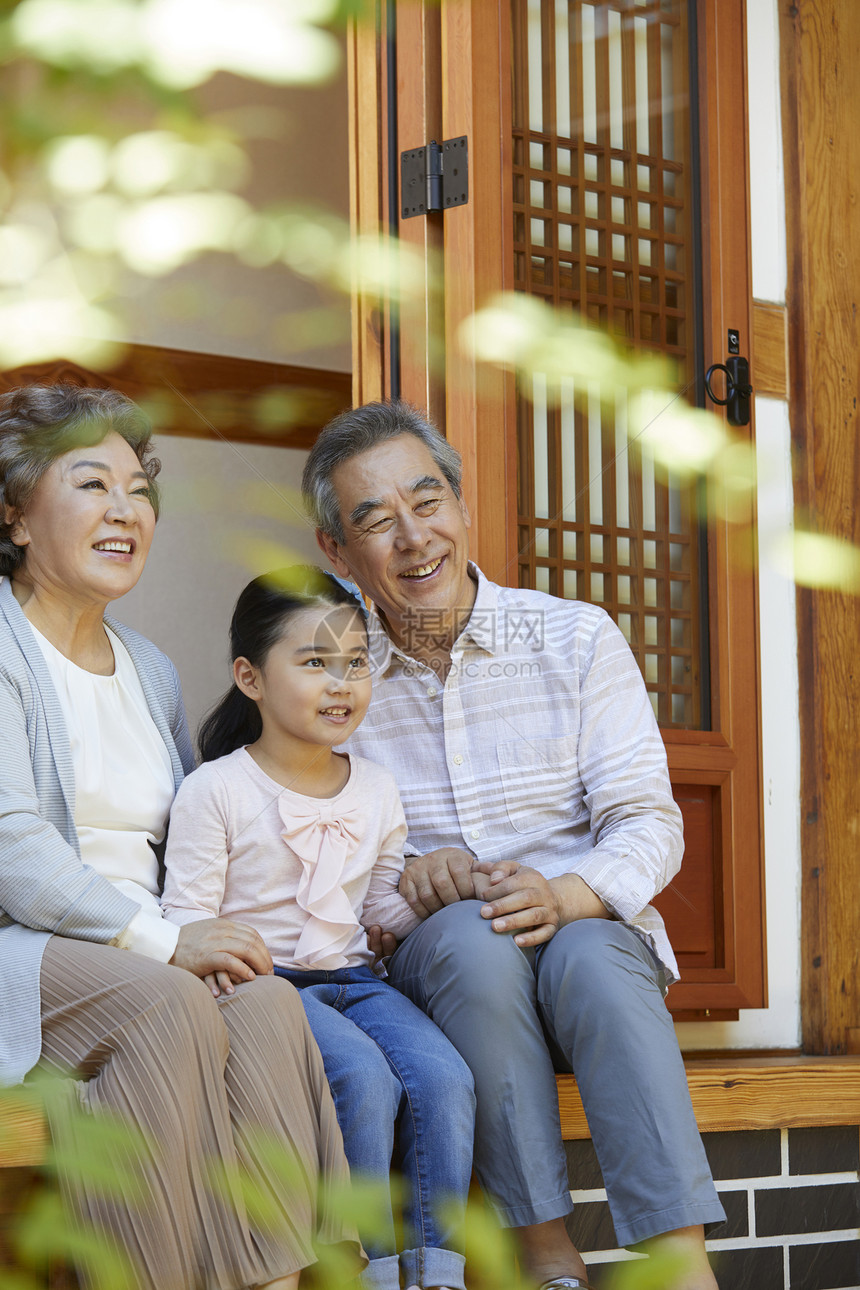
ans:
x=540 y=746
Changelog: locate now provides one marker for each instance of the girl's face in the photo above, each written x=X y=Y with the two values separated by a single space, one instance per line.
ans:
x=314 y=686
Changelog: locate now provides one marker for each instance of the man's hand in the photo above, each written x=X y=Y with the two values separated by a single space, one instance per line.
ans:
x=522 y=901
x=438 y=878
x=519 y=900
x=381 y=944
x=216 y=946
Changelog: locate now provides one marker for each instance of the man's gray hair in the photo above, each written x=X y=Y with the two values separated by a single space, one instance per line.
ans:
x=355 y=431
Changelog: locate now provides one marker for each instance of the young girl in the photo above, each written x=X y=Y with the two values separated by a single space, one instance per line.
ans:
x=278 y=831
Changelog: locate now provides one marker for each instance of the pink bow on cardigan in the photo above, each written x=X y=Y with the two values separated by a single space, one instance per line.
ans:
x=321 y=841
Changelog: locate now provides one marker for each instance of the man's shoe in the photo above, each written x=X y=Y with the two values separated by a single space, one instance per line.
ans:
x=564 y=1283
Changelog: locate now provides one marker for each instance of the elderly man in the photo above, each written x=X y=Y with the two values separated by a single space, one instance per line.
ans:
x=538 y=801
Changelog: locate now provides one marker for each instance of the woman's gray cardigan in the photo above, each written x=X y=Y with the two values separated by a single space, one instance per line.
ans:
x=44 y=886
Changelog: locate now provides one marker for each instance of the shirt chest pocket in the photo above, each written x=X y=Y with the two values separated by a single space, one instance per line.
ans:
x=538 y=781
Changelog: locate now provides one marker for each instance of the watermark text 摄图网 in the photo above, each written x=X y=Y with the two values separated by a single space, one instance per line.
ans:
x=426 y=630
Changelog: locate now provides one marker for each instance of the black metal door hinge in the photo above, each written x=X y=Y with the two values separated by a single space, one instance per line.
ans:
x=434 y=178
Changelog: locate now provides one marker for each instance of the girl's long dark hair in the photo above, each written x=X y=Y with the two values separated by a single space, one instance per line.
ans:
x=259 y=621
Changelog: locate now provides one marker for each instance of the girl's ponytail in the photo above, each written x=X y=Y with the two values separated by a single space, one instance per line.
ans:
x=259 y=621
x=232 y=723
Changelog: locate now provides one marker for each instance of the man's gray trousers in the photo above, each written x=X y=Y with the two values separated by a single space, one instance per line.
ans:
x=590 y=1000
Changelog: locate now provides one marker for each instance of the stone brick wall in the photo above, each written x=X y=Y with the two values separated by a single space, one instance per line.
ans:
x=792 y=1202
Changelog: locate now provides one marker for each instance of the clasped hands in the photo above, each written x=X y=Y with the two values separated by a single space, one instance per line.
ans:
x=517 y=899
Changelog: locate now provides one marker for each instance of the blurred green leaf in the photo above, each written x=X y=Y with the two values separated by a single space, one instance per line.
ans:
x=522 y=333
x=16 y=1279
x=181 y=43
x=100 y=1152
x=818 y=560
x=490 y=1250
x=653 y=1273
x=50 y=1234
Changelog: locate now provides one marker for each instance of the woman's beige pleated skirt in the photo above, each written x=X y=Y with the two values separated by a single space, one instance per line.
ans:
x=208 y=1082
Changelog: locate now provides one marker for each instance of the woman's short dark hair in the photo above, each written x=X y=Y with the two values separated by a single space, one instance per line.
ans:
x=260 y=619
x=38 y=423
x=355 y=431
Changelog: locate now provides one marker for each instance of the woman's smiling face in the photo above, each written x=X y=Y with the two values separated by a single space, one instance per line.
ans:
x=88 y=527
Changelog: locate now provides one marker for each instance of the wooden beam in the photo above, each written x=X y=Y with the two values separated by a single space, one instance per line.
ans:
x=819 y=48
x=770 y=350
x=210 y=396
x=752 y=1093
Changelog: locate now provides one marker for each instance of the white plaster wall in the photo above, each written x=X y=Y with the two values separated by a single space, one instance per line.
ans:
x=767 y=180
x=230 y=511
x=778 y=1025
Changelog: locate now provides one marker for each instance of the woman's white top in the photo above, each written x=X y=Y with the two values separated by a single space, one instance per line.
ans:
x=123 y=785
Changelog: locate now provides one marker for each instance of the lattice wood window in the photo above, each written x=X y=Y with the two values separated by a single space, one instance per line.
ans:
x=602 y=220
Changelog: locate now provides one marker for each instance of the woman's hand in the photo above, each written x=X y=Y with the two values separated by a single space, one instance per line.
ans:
x=219 y=983
x=223 y=952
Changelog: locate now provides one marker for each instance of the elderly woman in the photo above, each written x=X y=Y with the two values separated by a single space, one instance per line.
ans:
x=96 y=984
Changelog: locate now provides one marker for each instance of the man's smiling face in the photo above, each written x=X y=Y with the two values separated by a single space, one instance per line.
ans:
x=406 y=535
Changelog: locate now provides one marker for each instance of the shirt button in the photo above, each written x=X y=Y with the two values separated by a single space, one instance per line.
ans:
x=432 y=691
x=476 y=833
x=457 y=759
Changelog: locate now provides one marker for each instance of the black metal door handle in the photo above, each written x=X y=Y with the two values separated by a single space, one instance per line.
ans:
x=738 y=389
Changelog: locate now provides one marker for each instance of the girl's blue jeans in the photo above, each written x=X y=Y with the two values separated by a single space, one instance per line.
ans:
x=390 y=1068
